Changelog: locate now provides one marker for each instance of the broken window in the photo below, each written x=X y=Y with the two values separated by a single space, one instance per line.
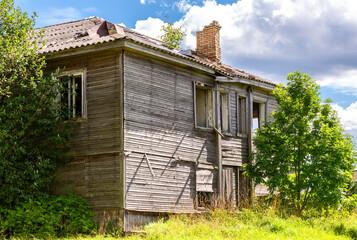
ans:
x=72 y=98
x=224 y=112
x=205 y=187
x=203 y=106
x=258 y=115
x=205 y=200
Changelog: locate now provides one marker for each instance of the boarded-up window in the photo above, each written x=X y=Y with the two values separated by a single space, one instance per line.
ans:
x=205 y=187
x=204 y=107
x=224 y=112
x=205 y=180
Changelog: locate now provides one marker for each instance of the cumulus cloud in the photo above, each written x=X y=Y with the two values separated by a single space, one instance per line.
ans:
x=340 y=78
x=275 y=36
x=150 y=27
x=280 y=29
x=348 y=118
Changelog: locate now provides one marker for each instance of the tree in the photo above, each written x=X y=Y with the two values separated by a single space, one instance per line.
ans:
x=172 y=36
x=303 y=153
x=31 y=130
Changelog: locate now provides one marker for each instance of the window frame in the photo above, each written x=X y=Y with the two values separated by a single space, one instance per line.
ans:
x=227 y=114
x=73 y=74
x=242 y=114
x=262 y=113
x=207 y=87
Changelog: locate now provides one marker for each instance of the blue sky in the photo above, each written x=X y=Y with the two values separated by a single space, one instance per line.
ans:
x=269 y=38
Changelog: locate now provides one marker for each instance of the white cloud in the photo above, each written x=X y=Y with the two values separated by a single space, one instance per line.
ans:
x=284 y=29
x=348 y=118
x=150 y=27
x=274 y=37
x=183 y=5
x=340 y=78
x=278 y=36
x=347 y=115
x=147 y=1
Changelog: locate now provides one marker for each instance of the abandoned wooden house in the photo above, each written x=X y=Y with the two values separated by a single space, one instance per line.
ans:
x=160 y=129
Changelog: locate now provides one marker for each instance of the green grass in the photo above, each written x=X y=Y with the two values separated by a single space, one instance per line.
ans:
x=247 y=225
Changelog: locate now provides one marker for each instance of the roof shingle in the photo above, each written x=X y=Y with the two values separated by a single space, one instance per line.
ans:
x=95 y=30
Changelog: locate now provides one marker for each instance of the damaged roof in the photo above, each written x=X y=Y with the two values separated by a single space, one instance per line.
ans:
x=94 y=30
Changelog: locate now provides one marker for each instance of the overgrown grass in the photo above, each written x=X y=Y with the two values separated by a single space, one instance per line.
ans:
x=248 y=224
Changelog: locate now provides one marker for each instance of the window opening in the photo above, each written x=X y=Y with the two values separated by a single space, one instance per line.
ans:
x=72 y=97
x=258 y=115
x=205 y=200
x=204 y=107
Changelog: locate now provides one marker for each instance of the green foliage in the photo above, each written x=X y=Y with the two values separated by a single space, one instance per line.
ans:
x=304 y=153
x=31 y=131
x=49 y=216
x=172 y=36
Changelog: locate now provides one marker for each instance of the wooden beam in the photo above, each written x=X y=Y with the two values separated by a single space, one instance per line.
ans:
x=219 y=145
x=250 y=82
x=237 y=188
x=217 y=131
x=238 y=114
x=229 y=112
x=250 y=120
x=250 y=140
x=266 y=110
x=219 y=163
x=149 y=165
x=121 y=133
x=194 y=104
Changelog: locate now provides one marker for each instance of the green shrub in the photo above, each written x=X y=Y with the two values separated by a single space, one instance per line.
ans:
x=50 y=216
x=349 y=203
x=32 y=133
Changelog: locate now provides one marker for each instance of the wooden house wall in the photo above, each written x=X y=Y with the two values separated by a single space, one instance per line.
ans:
x=234 y=151
x=96 y=165
x=163 y=149
x=99 y=133
x=234 y=144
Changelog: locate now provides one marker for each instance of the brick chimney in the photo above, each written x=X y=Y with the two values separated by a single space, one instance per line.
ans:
x=208 y=42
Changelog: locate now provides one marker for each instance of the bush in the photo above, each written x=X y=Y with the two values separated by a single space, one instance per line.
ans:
x=50 y=216
x=32 y=133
